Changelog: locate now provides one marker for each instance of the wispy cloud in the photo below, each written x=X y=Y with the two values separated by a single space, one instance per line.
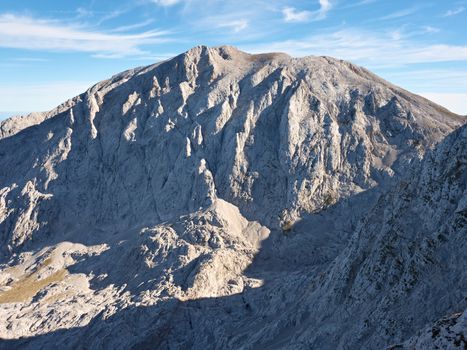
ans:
x=396 y=34
x=365 y=2
x=433 y=80
x=291 y=14
x=133 y=26
x=29 y=33
x=373 y=49
x=31 y=59
x=111 y=15
x=400 y=14
x=430 y=29
x=357 y=4
x=454 y=12
x=99 y=17
x=325 y=5
x=227 y=23
x=235 y=25
x=83 y=12
x=166 y=3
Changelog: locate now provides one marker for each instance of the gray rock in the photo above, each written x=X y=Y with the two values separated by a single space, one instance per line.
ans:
x=227 y=200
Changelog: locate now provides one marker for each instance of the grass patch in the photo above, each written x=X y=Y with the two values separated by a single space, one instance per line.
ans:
x=26 y=288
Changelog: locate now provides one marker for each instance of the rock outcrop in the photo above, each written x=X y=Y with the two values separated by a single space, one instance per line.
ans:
x=227 y=200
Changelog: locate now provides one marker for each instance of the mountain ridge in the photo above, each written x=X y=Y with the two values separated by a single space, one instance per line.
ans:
x=218 y=178
x=4 y=124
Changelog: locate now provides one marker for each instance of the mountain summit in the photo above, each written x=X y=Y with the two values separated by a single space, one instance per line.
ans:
x=225 y=200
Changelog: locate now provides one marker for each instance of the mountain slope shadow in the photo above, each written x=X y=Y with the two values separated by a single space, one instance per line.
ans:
x=270 y=316
x=279 y=313
x=129 y=165
x=296 y=256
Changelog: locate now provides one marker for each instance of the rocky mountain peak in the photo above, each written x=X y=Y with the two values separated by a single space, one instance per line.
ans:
x=228 y=184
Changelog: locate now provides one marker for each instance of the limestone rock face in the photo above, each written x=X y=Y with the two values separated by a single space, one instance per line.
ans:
x=403 y=267
x=225 y=200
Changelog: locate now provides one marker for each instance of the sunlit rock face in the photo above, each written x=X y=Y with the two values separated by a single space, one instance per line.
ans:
x=226 y=200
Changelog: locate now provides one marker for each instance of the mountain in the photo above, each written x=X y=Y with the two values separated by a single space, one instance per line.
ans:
x=225 y=200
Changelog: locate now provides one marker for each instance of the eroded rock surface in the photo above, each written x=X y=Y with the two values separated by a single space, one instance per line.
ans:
x=227 y=200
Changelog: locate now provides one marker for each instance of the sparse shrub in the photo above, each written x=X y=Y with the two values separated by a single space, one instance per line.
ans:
x=287 y=226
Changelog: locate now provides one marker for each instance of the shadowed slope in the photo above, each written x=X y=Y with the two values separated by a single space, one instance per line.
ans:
x=210 y=199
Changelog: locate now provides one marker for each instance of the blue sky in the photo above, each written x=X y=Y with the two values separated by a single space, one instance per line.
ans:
x=52 y=50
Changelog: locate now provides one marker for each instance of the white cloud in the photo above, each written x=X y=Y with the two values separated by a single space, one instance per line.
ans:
x=228 y=23
x=455 y=102
x=291 y=14
x=82 y=12
x=325 y=5
x=365 y=2
x=430 y=29
x=133 y=26
x=111 y=15
x=31 y=59
x=399 y=14
x=37 y=34
x=454 y=12
x=357 y=4
x=373 y=49
x=396 y=35
x=235 y=25
x=166 y=3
